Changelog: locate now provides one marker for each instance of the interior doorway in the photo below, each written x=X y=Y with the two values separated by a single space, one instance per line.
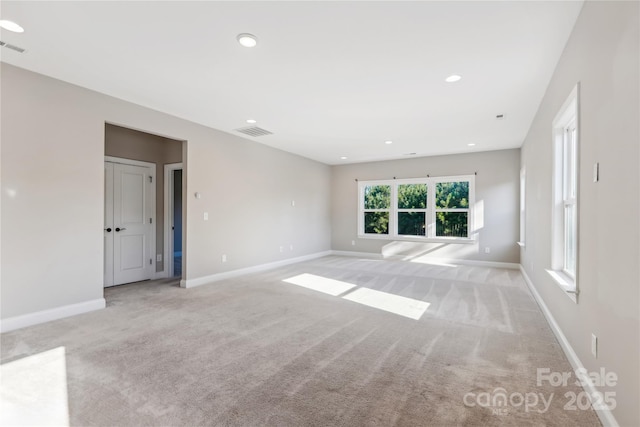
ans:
x=173 y=211
x=159 y=151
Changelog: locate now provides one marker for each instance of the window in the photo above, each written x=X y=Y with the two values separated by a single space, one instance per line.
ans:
x=424 y=208
x=412 y=209
x=452 y=209
x=523 y=189
x=377 y=208
x=569 y=198
x=564 y=261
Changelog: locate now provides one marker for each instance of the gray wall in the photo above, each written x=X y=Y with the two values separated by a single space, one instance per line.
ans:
x=53 y=194
x=135 y=145
x=603 y=55
x=497 y=191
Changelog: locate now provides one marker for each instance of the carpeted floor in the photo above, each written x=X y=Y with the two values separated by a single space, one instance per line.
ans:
x=261 y=351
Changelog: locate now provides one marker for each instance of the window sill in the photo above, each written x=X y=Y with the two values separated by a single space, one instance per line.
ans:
x=566 y=283
x=457 y=240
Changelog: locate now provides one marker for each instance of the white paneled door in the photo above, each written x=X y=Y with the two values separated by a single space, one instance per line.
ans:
x=128 y=228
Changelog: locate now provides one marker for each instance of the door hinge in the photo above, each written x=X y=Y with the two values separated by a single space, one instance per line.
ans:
x=150 y=261
x=150 y=220
x=150 y=179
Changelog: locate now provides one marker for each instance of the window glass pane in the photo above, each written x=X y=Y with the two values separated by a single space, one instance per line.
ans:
x=377 y=197
x=376 y=222
x=451 y=195
x=411 y=223
x=570 y=234
x=566 y=165
x=451 y=224
x=574 y=165
x=412 y=196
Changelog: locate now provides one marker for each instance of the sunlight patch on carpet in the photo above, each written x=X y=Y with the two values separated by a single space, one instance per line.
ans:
x=433 y=261
x=320 y=284
x=403 y=306
x=396 y=304
x=34 y=390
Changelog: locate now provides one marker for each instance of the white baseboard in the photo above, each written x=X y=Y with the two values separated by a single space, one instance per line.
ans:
x=495 y=264
x=17 y=322
x=476 y=263
x=368 y=255
x=605 y=415
x=190 y=283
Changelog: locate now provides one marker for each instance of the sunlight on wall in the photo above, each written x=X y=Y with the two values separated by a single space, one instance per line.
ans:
x=409 y=250
x=34 y=390
x=478 y=216
x=403 y=306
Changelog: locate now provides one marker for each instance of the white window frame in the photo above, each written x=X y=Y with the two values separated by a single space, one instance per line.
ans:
x=565 y=191
x=393 y=225
x=430 y=211
x=362 y=210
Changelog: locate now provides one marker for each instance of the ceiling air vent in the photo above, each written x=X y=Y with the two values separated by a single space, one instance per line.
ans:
x=12 y=47
x=254 y=131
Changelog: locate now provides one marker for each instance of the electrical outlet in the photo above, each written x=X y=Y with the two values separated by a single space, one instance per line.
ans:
x=487 y=250
x=353 y=243
x=293 y=203
x=594 y=345
x=159 y=258
x=206 y=216
x=224 y=258
x=281 y=248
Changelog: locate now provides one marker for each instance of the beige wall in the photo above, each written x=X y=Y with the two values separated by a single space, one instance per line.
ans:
x=603 y=55
x=52 y=194
x=497 y=190
x=135 y=145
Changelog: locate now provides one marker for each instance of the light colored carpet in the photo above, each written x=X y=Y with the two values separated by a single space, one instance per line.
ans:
x=259 y=351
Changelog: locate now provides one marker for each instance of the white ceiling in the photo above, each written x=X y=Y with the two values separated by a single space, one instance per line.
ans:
x=329 y=79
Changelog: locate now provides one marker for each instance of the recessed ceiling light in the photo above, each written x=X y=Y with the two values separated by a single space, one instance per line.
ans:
x=247 y=40
x=11 y=26
x=453 y=78
x=343 y=158
x=251 y=121
x=388 y=142
x=471 y=144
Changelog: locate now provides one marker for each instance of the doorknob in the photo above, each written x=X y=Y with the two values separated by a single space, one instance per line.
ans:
x=120 y=229
x=108 y=230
